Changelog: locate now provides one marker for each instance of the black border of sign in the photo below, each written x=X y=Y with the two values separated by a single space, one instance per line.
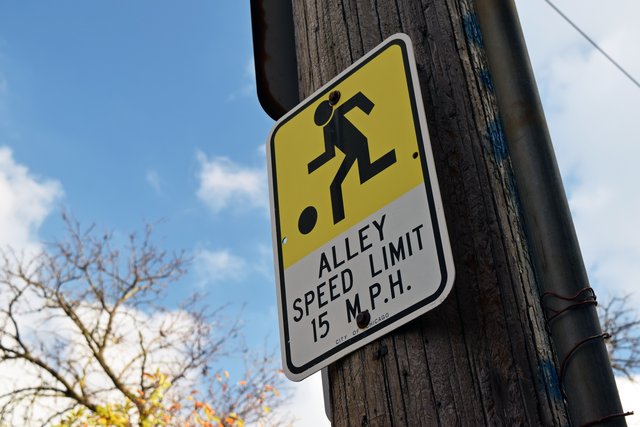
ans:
x=403 y=42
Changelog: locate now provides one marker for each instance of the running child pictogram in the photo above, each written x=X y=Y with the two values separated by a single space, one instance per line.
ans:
x=340 y=132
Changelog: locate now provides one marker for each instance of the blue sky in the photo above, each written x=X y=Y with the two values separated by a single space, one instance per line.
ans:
x=126 y=106
x=131 y=112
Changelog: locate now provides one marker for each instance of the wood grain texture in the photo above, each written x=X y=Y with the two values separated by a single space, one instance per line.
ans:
x=483 y=357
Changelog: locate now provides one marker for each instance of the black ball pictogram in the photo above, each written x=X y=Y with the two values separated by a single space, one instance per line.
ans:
x=307 y=220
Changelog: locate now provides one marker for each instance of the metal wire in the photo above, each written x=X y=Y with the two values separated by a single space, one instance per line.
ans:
x=594 y=44
x=570 y=353
x=578 y=300
x=607 y=418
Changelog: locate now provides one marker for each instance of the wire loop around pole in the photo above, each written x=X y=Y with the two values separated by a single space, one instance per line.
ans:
x=607 y=418
x=584 y=297
x=570 y=353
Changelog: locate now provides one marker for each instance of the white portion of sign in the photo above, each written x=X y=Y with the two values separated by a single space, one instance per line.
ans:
x=383 y=265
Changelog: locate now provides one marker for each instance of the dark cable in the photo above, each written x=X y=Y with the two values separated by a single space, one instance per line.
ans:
x=590 y=40
x=607 y=418
x=585 y=296
x=576 y=347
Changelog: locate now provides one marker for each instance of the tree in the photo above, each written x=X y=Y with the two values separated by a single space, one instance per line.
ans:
x=622 y=323
x=82 y=324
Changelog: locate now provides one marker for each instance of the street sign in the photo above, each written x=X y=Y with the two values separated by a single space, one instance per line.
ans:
x=359 y=234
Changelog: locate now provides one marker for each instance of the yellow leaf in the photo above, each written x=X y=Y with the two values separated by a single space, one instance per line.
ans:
x=210 y=412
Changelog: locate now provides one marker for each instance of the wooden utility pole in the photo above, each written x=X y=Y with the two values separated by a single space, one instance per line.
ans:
x=483 y=357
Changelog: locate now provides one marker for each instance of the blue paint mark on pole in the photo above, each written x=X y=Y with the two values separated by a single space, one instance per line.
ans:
x=472 y=29
x=552 y=382
x=498 y=143
x=486 y=80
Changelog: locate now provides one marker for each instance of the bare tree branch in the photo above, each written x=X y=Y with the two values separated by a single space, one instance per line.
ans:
x=623 y=324
x=82 y=320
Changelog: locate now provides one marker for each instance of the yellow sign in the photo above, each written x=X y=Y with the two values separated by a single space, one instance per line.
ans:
x=360 y=240
x=337 y=163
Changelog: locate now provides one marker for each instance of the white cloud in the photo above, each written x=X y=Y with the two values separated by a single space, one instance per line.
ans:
x=225 y=184
x=153 y=179
x=630 y=399
x=306 y=404
x=248 y=87
x=25 y=201
x=219 y=266
x=250 y=69
x=264 y=262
